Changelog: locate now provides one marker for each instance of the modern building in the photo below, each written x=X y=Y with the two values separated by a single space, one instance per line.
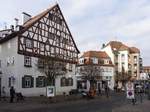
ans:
x=96 y=65
x=124 y=58
x=24 y=48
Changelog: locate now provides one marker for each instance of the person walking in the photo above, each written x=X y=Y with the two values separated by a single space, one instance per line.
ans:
x=12 y=94
x=99 y=89
x=106 y=90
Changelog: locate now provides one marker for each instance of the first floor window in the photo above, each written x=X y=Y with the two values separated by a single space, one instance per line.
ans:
x=40 y=63
x=66 y=81
x=70 y=67
x=27 y=61
x=9 y=82
x=27 y=82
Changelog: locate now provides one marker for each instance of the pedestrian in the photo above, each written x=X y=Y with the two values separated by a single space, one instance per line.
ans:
x=12 y=94
x=115 y=87
x=106 y=90
x=3 y=93
x=130 y=90
x=99 y=89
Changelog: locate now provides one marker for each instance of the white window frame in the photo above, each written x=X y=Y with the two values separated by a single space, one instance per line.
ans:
x=41 y=82
x=27 y=61
x=28 y=43
x=27 y=82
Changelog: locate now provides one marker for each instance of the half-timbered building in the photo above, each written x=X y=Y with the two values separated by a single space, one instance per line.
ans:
x=25 y=49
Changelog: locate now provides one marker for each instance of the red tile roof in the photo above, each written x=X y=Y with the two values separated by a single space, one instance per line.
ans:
x=119 y=46
x=97 y=54
x=134 y=50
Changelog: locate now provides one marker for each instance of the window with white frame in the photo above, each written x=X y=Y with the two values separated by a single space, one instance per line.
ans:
x=28 y=43
x=40 y=81
x=27 y=61
x=135 y=58
x=27 y=82
x=42 y=47
x=40 y=63
x=106 y=61
x=123 y=57
x=70 y=67
x=70 y=82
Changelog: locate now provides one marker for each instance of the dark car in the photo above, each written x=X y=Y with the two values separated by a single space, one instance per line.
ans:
x=73 y=91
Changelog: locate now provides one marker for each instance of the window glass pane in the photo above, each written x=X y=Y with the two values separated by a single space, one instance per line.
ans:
x=27 y=60
x=28 y=43
x=27 y=81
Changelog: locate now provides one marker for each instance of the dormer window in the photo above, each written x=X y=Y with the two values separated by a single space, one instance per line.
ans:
x=106 y=61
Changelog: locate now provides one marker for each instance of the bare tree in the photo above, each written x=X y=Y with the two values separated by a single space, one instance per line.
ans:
x=51 y=69
x=122 y=76
x=90 y=72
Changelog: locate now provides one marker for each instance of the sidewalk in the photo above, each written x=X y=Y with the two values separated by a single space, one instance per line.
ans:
x=56 y=99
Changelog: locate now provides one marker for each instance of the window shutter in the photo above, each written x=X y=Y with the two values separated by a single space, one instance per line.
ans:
x=32 y=82
x=37 y=82
x=23 y=82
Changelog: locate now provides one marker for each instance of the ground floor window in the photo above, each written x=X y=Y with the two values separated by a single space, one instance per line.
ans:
x=63 y=81
x=70 y=82
x=41 y=81
x=27 y=81
x=66 y=81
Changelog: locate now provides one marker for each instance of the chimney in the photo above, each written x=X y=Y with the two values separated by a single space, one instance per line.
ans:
x=103 y=46
x=25 y=17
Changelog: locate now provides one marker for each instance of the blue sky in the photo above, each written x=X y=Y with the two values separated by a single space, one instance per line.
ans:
x=93 y=22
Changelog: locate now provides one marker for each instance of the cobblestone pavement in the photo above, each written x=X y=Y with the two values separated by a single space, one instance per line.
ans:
x=115 y=103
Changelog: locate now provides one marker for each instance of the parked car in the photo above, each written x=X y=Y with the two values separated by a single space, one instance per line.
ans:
x=73 y=91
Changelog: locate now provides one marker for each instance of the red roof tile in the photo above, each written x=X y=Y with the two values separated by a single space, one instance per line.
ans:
x=97 y=54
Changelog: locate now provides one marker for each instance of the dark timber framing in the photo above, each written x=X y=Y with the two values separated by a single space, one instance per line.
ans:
x=50 y=37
